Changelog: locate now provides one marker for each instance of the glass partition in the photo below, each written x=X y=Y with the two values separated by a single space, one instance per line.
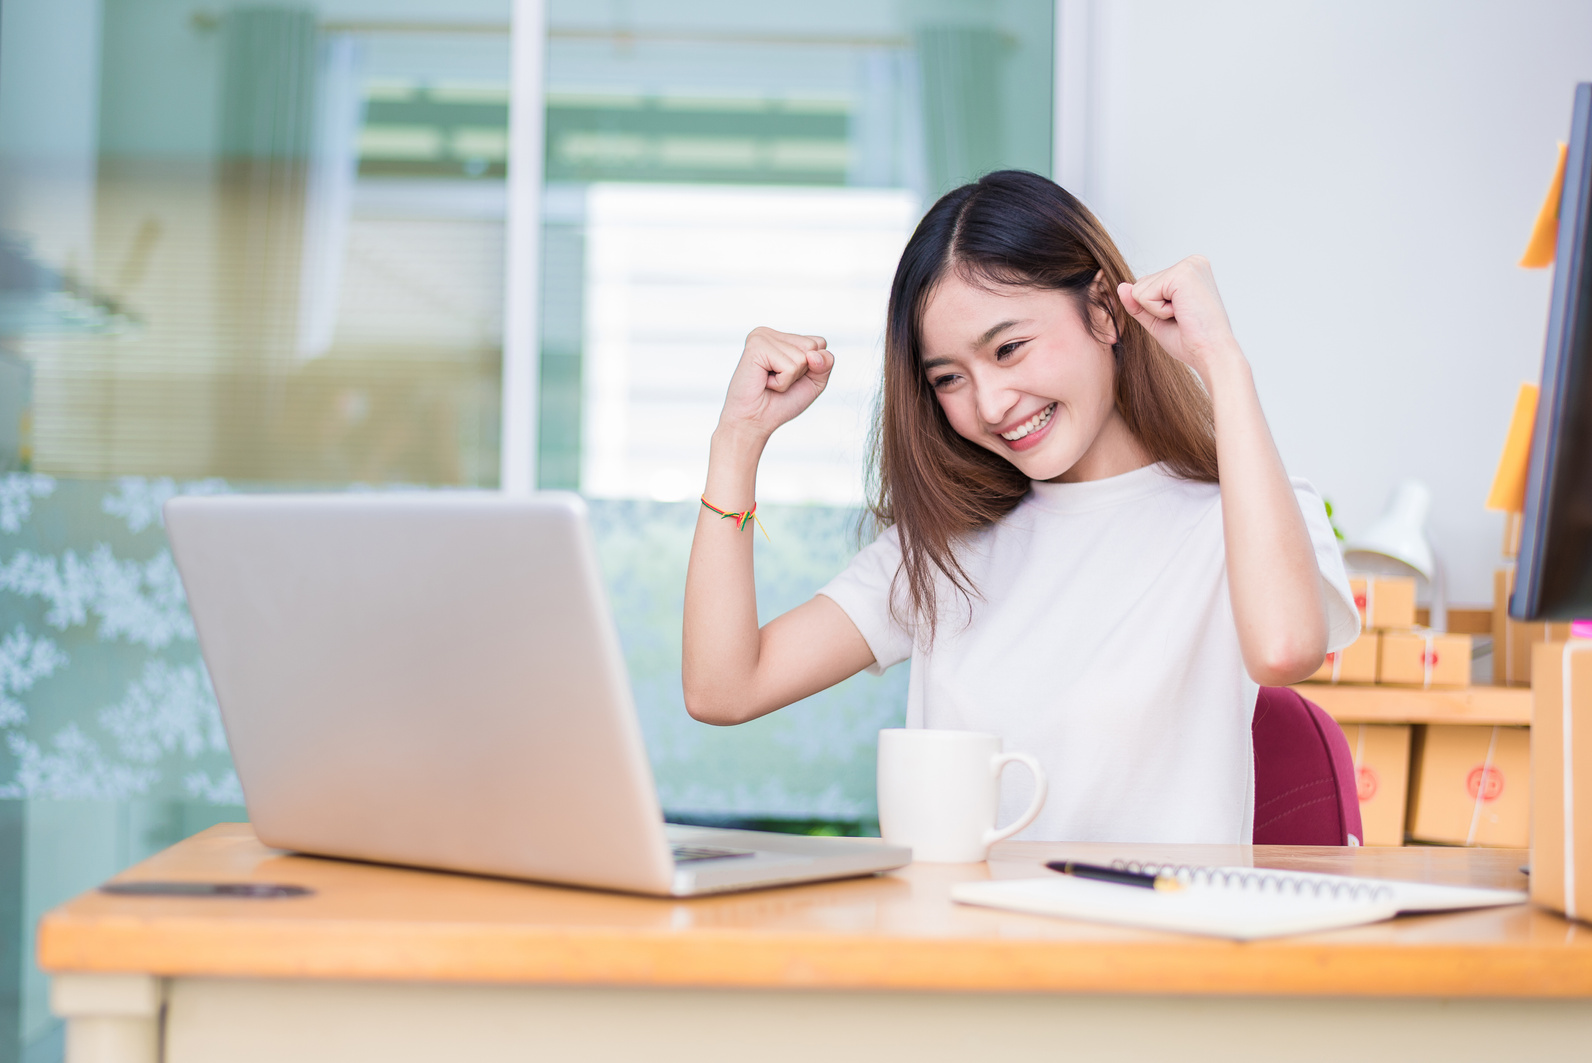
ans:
x=258 y=246
x=253 y=243
x=260 y=242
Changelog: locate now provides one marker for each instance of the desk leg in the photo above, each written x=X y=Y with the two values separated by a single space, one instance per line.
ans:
x=110 y=1018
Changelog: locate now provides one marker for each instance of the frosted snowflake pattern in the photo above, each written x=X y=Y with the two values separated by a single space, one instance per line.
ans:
x=224 y=790
x=73 y=768
x=163 y=730
x=166 y=709
x=17 y=492
x=24 y=660
x=142 y=602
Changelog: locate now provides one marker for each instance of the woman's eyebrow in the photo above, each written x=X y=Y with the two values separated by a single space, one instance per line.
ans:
x=934 y=363
x=995 y=331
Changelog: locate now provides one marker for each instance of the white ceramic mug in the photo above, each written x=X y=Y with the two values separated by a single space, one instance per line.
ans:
x=939 y=791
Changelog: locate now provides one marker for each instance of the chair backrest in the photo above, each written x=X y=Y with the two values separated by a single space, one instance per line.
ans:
x=1305 y=790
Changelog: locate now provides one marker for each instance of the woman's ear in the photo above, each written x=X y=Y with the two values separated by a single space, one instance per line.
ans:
x=1102 y=309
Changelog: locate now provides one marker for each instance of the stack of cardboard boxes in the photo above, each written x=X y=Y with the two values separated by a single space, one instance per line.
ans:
x=1453 y=784
x=1472 y=783
x=1391 y=649
x=1450 y=784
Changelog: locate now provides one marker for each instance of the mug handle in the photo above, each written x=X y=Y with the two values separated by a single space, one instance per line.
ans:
x=1041 y=790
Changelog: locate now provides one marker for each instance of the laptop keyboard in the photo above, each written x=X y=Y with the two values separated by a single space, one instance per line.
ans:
x=685 y=854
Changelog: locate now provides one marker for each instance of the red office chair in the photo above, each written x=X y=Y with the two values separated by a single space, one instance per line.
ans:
x=1305 y=790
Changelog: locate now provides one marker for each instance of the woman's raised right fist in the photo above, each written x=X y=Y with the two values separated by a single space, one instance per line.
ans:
x=779 y=376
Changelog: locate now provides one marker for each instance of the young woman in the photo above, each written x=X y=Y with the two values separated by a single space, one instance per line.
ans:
x=1087 y=550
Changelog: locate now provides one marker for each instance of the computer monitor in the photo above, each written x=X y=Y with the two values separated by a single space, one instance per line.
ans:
x=1554 y=579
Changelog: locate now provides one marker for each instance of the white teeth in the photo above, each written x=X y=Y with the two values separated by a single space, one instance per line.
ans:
x=1033 y=424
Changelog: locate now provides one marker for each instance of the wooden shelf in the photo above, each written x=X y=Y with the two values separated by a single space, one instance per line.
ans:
x=1352 y=703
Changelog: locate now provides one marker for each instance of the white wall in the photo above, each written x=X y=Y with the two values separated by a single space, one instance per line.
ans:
x=1364 y=176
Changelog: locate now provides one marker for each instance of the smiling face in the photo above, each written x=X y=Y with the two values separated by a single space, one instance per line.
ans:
x=1019 y=372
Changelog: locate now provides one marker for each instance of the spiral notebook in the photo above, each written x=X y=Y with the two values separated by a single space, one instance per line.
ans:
x=1242 y=903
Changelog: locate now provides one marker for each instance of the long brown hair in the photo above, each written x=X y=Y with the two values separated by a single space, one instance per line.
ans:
x=1009 y=228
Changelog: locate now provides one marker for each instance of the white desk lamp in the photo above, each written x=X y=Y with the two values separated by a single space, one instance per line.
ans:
x=1396 y=545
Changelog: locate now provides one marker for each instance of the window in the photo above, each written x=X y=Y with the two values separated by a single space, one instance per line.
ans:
x=676 y=275
x=712 y=167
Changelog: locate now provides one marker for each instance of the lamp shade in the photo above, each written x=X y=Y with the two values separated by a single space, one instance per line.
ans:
x=1399 y=534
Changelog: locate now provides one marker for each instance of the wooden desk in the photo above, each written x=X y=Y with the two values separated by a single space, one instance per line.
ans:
x=395 y=964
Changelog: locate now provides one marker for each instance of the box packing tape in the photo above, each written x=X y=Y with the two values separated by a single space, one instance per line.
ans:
x=1481 y=788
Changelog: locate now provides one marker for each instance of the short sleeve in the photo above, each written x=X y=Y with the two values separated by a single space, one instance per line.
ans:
x=1343 y=617
x=863 y=592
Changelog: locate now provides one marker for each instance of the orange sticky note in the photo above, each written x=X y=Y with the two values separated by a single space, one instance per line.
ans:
x=1509 y=482
x=1545 y=234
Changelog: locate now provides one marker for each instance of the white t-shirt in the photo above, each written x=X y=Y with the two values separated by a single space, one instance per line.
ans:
x=1102 y=642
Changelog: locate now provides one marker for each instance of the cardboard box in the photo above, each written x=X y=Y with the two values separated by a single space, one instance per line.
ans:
x=1355 y=663
x=1384 y=602
x=1472 y=786
x=1382 y=776
x=1513 y=640
x=1554 y=850
x=1424 y=659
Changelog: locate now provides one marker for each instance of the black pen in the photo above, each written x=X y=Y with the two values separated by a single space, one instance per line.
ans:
x=1164 y=883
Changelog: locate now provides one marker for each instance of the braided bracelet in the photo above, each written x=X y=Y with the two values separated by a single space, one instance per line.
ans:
x=741 y=519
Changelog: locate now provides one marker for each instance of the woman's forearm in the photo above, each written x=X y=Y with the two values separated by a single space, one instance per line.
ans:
x=1272 y=573
x=720 y=627
x=734 y=671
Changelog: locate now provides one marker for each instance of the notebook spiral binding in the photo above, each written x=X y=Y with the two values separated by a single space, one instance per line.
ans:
x=1276 y=882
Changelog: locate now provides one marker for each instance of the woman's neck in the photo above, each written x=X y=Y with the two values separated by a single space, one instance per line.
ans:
x=1115 y=450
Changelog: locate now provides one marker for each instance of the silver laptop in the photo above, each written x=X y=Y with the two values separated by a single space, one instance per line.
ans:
x=435 y=680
